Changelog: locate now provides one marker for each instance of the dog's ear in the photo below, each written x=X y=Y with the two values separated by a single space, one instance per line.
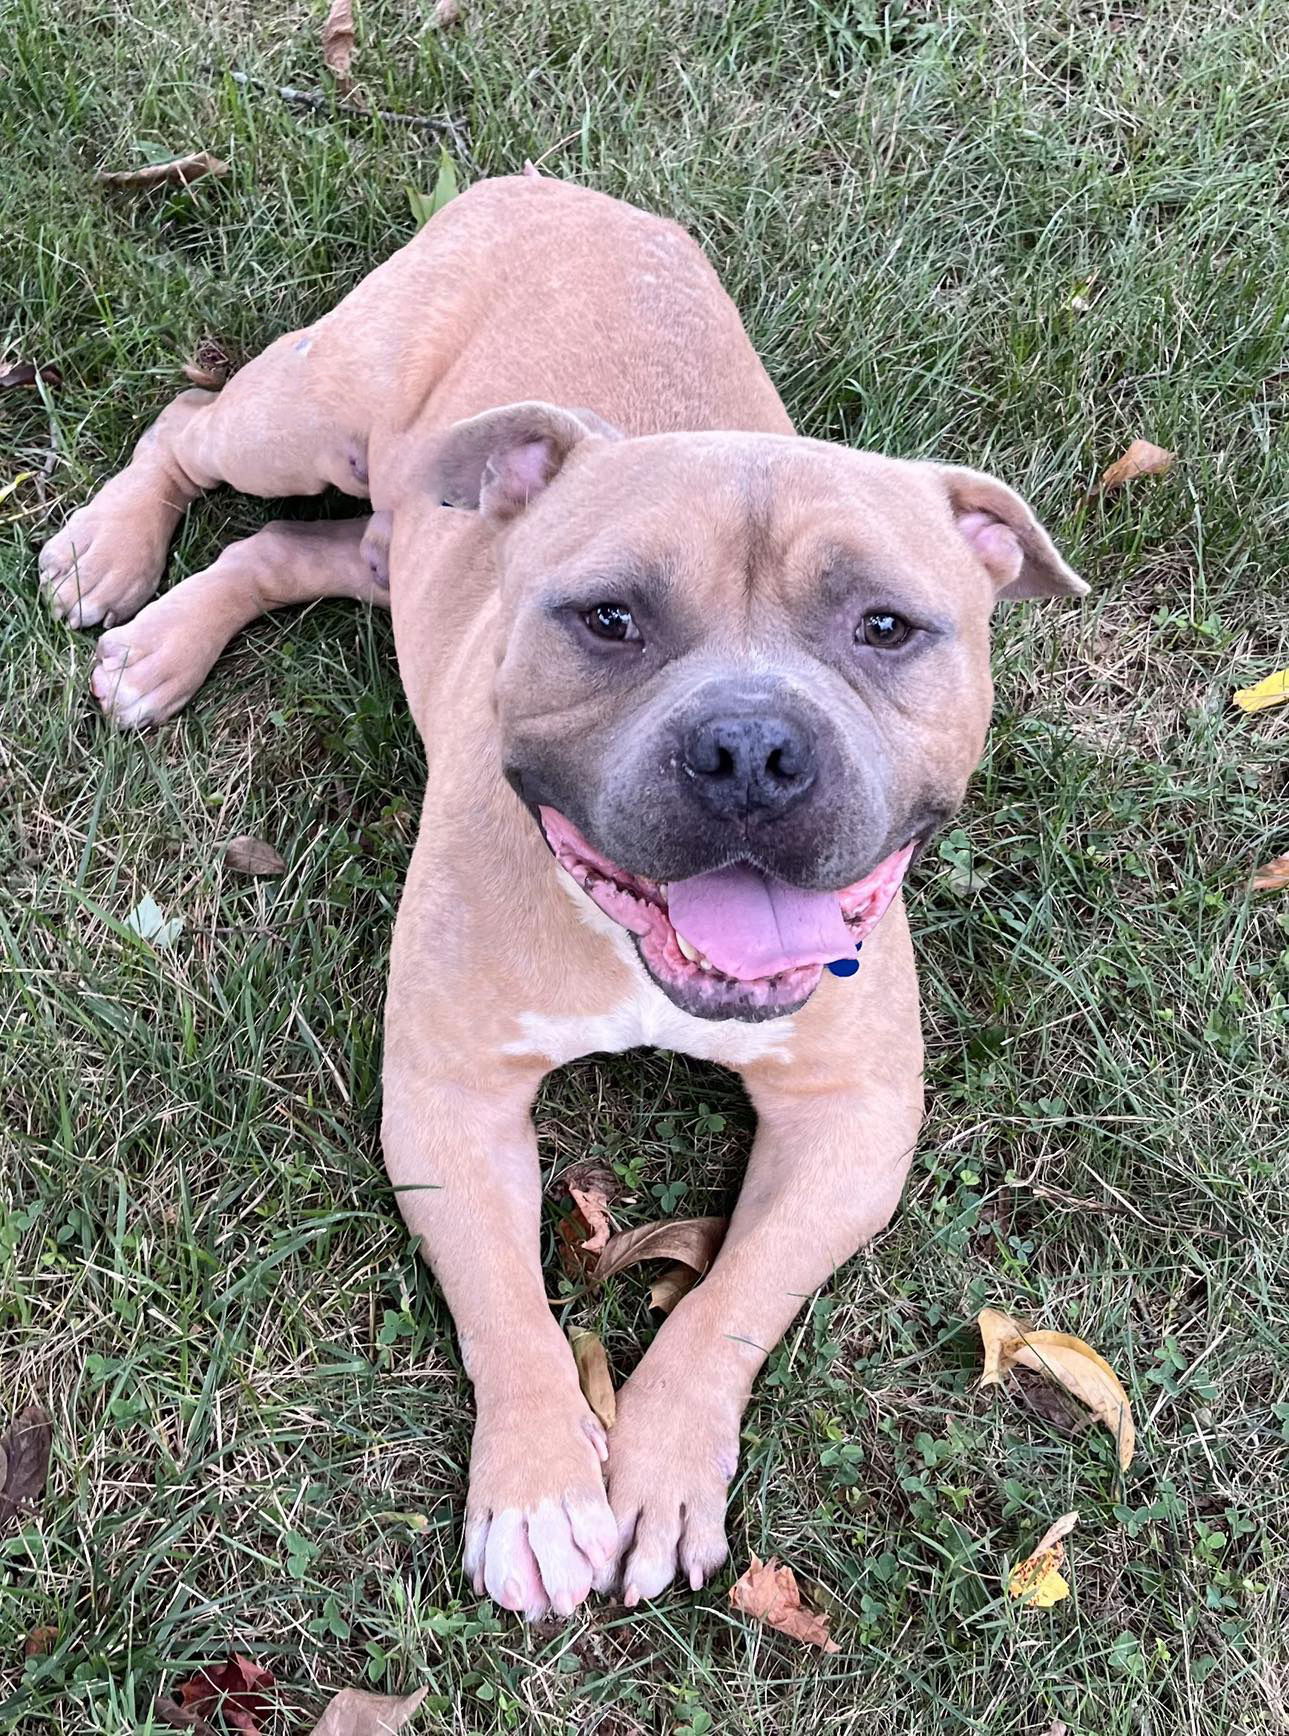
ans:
x=1006 y=538
x=498 y=461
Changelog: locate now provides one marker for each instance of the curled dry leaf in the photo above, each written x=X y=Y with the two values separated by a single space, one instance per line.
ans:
x=1037 y=1580
x=1141 y=459
x=210 y=366
x=24 y=1461
x=27 y=373
x=585 y=1232
x=1271 y=690
x=694 y=1241
x=353 y=1712
x=1084 y=1374
x=1273 y=876
x=593 y=1207
x=236 y=1690
x=40 y=1642
x=594 y=1376
x=173 y=174
x=338 y=43
x=253 y=856
x=768 y=1592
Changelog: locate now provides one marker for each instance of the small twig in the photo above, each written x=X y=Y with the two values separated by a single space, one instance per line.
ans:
x=320 y=102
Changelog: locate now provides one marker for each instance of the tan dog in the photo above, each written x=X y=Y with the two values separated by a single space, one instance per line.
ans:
x=693 y=692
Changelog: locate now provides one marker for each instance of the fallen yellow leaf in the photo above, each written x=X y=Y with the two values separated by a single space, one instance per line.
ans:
x=1084 y=1374
x=768 y=1592
x=1141 y=459
x=594 y=1376
x=1038 y=1580
x=1273 y=876
x=1271 y=690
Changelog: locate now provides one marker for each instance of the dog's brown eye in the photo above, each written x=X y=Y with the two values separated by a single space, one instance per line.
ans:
x=611 y=621
x=883 y=630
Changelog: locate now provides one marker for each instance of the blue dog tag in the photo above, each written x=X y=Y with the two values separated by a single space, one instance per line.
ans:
x=844 y=967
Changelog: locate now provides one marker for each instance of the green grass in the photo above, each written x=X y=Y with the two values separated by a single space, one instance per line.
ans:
x=262 y=1422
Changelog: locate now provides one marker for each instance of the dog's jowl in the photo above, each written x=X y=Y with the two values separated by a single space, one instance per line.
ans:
x=694 y=693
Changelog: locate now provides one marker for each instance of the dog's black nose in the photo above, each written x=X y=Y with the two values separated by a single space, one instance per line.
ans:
x=749 y=767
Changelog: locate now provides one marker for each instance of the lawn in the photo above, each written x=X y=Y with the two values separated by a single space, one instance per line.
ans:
x=1016 y=234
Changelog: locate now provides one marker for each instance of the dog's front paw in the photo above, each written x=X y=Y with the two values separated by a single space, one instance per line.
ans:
x=108 y=558
x=672 y=1454
x=538 y=1526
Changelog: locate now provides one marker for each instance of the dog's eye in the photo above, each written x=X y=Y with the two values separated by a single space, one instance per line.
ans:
x=611 y=621
x=883 y=630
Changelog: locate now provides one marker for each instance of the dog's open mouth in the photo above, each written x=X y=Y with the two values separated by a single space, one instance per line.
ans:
x=734 y=943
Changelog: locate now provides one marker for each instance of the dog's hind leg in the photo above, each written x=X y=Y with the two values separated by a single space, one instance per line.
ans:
x=150 y=668
x=272 y=431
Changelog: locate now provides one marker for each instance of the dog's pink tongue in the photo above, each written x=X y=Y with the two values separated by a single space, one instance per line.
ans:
x=751 y=925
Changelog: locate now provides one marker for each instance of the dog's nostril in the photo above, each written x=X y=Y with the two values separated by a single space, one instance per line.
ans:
x=782 y=764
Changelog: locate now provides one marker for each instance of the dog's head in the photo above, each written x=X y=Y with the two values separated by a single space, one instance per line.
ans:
x=743 y=677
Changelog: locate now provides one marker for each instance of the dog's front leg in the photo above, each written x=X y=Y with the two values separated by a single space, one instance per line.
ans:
x=825 y=1175
x=462 y=1153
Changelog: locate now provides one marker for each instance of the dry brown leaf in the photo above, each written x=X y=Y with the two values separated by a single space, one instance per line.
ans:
x=1141 y=459
x=1058 y=1728
x=253 y=856
x=27 y=373
x=445 y=14
x=1082 y=1371
x=594 y=1376
x=695 y=1241
x=584 y=1233
x=338 y=44
x=675 y=1284
x=177 y=1717
x=1049 y=1402
x=210 y=366
x=353 y=1712
x=769 y=1593
x=40 y=1642
x=235 y=1689
x=174 y=174
x=24 y=1461
x=593 y=1206
x=1273 y=876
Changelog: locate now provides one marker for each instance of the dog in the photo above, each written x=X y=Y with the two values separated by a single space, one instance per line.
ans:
x=695 y=691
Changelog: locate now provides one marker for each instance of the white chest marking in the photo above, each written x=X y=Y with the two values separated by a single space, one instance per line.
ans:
x=645 y=1019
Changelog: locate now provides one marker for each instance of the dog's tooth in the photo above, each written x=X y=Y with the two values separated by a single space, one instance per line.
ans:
x=704 y=963
x=690 y=952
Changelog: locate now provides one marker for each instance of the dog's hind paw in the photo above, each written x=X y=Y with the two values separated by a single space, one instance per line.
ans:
x=147 y=671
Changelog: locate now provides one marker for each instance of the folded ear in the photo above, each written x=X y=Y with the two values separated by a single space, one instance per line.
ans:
x=1006 y=538
x=498 y=461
